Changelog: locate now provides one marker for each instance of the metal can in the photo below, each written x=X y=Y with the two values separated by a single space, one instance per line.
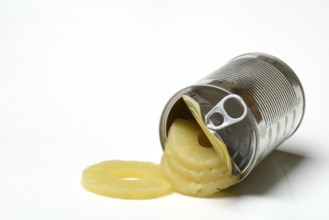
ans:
x=263 y=89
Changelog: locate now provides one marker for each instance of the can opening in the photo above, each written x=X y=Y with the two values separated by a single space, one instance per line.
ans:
x=239 y=138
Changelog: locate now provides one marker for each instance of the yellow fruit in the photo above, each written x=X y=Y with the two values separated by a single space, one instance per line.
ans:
x=200 y=174
x=217 y=144
x=195 y=188
x=126 y=179
x=192 y=168
x=184 y=145
x=195 y=162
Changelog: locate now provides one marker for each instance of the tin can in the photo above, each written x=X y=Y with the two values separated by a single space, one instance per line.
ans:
x=261 y=91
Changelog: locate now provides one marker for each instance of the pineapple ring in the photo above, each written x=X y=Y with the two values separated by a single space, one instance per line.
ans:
x=195 y=188
x=218 y=145
x=201 y=174
x=126 y=179
x=192 y=168
x=188 y=150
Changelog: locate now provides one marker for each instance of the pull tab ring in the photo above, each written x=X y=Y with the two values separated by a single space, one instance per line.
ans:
x=227 y=119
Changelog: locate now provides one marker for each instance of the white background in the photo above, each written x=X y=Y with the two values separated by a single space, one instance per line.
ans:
x=86 y=81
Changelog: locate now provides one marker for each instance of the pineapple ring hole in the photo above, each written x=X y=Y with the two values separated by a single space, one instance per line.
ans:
x=129 y=175
x=204 y=141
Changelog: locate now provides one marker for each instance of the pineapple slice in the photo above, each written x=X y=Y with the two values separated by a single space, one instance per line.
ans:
x=192 y=168
x=184 y=139
x=217 y=144
x=199 y=174
x=126 y=179
x=190 y=187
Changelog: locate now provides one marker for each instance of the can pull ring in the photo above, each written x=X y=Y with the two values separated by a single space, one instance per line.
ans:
x=217 y=118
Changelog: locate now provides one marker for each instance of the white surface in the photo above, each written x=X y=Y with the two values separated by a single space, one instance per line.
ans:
x=85 y=81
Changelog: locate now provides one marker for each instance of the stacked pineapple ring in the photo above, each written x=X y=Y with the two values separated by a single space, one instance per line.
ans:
x=192 y=168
